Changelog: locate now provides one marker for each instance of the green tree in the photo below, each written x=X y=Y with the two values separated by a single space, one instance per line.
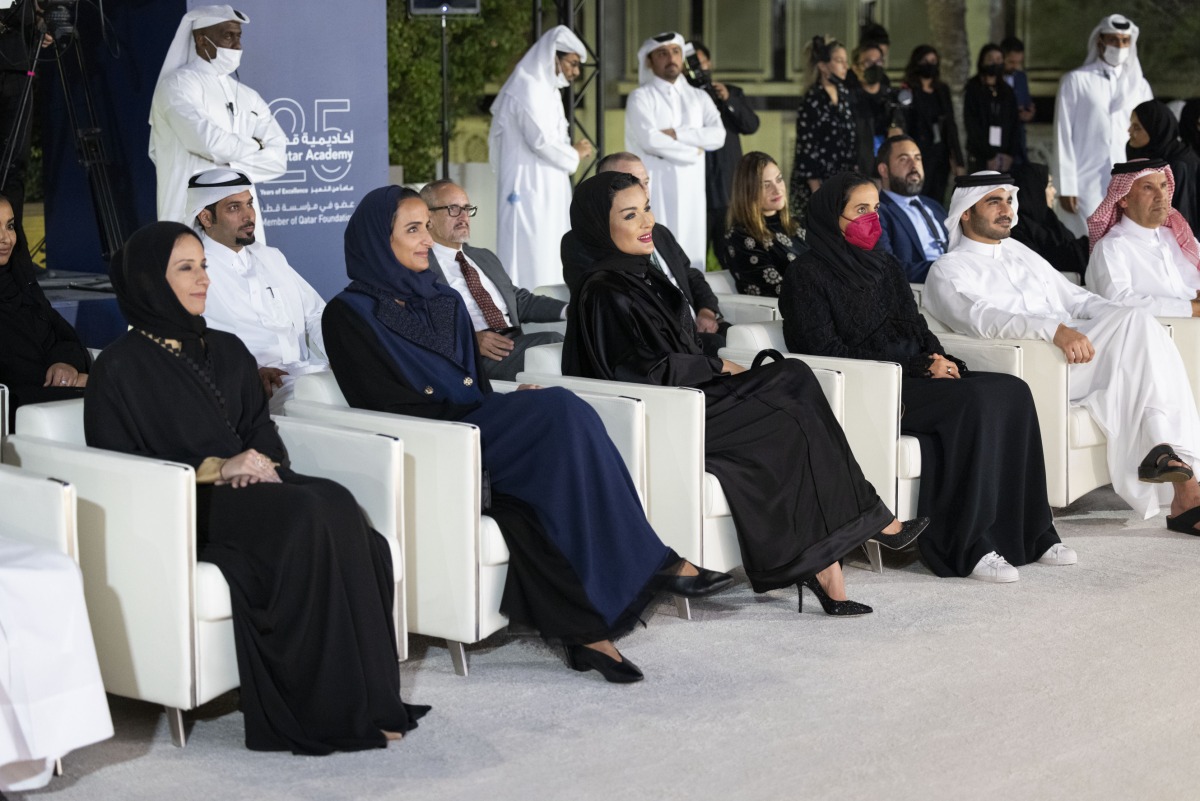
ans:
x=482 y=49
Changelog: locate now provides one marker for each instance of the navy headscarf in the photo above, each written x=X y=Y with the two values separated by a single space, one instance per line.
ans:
x=139 y=277
x=432 y=316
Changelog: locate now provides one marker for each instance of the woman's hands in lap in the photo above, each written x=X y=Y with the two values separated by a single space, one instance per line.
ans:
x=941 y=367
x=248 y=467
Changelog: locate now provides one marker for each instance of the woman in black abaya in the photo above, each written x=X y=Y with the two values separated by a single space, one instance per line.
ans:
x=41 y=357
x=1154 y=134
x=1038 y=226
x=983 y=478
x=798 y=498
x=311 y=583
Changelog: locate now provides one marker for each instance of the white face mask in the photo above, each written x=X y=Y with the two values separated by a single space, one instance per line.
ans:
x=226 y=60
x=1116 y=56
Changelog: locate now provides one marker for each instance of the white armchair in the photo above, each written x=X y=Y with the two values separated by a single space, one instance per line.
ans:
x=890 y=461
x=160 y=619
x=1074 y=447
x=45 y=515
x=685 y=504
x=456 y=558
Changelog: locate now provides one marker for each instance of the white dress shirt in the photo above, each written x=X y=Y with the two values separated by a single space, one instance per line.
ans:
x=447 y=259
x=1139 y=266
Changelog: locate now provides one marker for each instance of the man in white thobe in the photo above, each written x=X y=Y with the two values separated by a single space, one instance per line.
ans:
x=1143 y=251
x=1091 y=116
x=669 y=124
x=1124 y=368
x=255 y=294
x=530 y=149
x=201 y=117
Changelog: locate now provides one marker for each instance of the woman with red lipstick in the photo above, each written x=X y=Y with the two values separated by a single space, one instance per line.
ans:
x=798 y=497
x=983 y=479
x=41 y=357
x=763 y=240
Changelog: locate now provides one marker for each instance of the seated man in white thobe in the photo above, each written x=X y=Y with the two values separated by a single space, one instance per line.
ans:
x=670 y=124
x=1091 y=116
x=201 y=117
x=1143 y=251
x=498 y=308
x=1124 y=368
x=255 y=293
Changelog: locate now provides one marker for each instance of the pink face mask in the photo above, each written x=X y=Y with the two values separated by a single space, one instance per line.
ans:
x=864 y=231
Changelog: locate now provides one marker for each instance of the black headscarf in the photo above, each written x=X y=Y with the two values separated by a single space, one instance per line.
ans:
x=858 y=268
x=139 y=277
x=590 y=208
x=1031 y=180
x=1189 y=124
x=1160 y=124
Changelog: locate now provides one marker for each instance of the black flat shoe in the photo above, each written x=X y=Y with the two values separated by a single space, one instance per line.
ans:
x=831 y=607
x=1156 y=467
x=909 y=531
x=583 y=659
x=1185 y=522
x=706 y=582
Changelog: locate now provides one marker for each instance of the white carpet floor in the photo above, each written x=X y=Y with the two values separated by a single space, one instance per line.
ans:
x=1073 y=683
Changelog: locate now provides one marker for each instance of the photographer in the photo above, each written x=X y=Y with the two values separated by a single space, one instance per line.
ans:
x=21 y=29
x=738 y=118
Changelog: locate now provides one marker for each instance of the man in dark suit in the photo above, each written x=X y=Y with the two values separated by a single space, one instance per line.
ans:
x=914 y=226
x=668 y=256
x=497 y=307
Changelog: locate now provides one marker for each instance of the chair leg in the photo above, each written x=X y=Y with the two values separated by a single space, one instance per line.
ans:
x=58 y=770
x=458 y=655
x=175 y=724
x=873 y=555
x=683 y=607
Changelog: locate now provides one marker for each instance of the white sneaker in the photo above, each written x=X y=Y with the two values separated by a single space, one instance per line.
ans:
x=994 y=567
x=1059 y=554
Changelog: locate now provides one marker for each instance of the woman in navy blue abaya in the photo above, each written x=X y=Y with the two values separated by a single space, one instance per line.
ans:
x=584 y=560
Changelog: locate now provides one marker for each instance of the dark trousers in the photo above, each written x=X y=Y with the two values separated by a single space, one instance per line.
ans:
x=507 y=368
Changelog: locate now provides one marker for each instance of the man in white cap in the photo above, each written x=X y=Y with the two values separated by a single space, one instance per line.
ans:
x=669 y=124
x=1091 y=117
x=201 y=117
x=1143 y=251
x=531 y=153
x=1124 y=369
x=255 y=294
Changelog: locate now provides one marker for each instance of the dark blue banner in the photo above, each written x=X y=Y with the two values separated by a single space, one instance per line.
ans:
x=323 y=70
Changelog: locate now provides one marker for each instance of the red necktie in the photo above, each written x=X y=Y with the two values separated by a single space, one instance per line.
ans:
x=491 y=313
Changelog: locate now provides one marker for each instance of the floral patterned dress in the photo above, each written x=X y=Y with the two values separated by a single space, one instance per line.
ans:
x=758 y=267
x=826 y=142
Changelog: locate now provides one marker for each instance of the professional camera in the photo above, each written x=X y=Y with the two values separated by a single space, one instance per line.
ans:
x=696 y=75
x=59 y=16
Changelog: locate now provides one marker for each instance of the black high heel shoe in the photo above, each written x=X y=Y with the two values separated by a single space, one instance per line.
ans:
x=831 y=607
x=583 y=659
x=909 y=531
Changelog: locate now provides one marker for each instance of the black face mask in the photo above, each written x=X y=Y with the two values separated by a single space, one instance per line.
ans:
x=925 y=70
x=874 y=74
x=994 y=70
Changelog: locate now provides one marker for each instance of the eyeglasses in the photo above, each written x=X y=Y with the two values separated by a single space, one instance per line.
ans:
x=454 y=209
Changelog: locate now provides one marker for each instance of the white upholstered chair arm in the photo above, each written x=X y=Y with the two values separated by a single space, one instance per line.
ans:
x=442 y=487
x=747 y=308
x=556 y=291
x=674 y=426
x=137 y=549
x=984 y=355
x=37 y=510
x=1185 y=332
x=371 y=466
